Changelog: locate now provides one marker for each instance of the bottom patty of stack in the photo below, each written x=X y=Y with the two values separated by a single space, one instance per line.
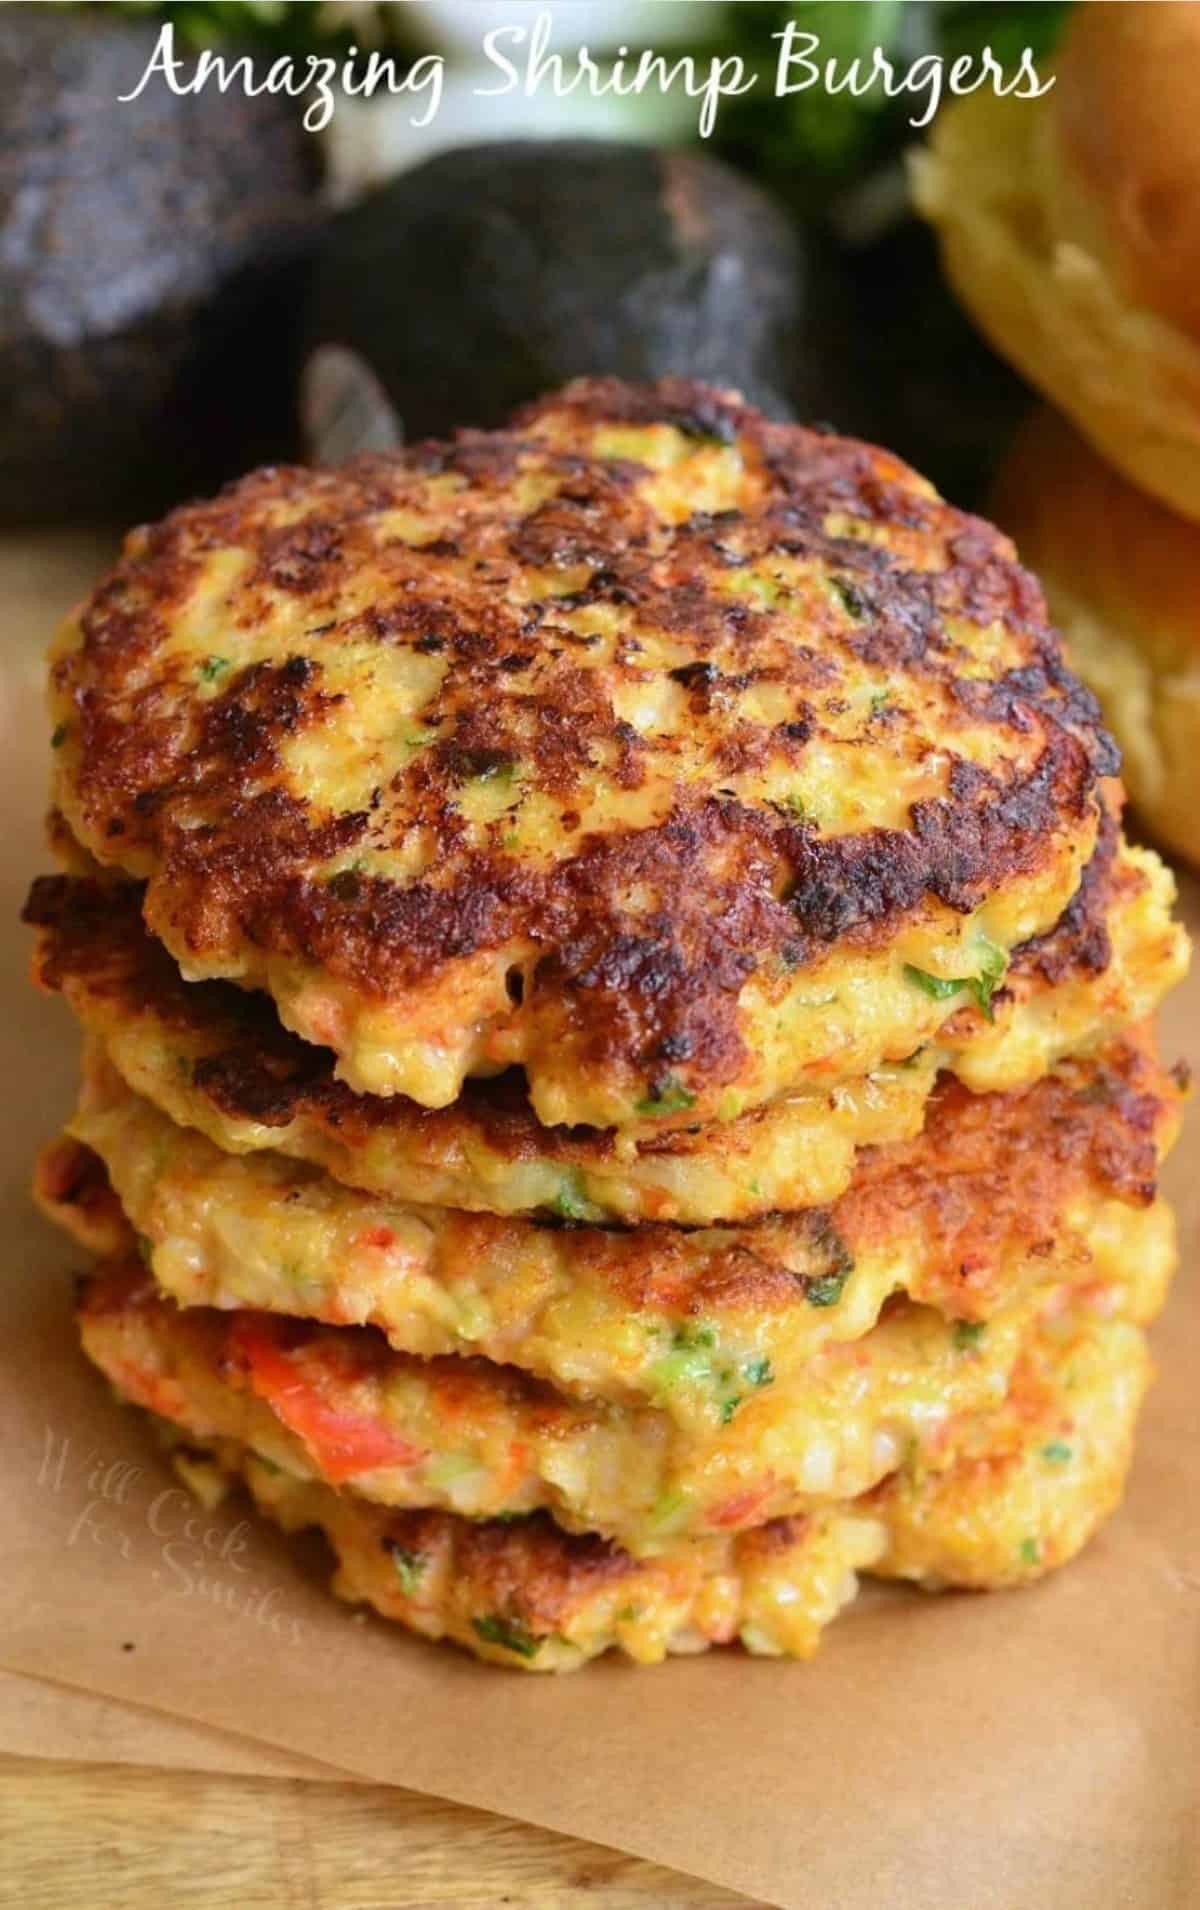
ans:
x=1009 y=1493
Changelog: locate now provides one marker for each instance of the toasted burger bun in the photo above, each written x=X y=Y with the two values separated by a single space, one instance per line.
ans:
x=1122 y=576
x=1070 y=227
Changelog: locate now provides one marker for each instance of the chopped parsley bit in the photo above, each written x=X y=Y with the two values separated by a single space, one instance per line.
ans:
x=797 y=806
x=826 y=1289
x=1031 y=1551
x=410 y=1568
x=212 y=667
x=880 y=701
x=665 y=1511
x=59 y=737
x=983 y=986
x=629 y=1614
x=939 y=986
x=991 y=971
x=145 y=1247
x=850 y=597
x=568 y=1202
x=757 y=1372
x=511 y=1634
x=968 y=1333
x=1057 y=1452
x=668 y=1096
x=690 y=1361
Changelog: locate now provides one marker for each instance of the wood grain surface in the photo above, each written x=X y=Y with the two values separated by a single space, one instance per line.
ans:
x=95 y=1835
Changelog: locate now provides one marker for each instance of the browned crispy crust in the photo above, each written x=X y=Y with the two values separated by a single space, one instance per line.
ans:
x=255 y=1069
x=981 y=1196
x=195 y=786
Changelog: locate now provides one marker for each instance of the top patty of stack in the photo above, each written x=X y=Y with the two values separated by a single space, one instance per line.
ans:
x=680 y=758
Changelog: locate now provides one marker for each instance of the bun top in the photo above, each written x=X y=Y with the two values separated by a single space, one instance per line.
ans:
x=1100 y=541
x=1126 y=125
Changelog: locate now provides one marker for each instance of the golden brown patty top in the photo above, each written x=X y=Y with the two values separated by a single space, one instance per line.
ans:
x=610 y=745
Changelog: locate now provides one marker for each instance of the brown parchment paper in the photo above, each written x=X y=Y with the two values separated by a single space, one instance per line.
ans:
x=41 y=1720
x=1036 y=1749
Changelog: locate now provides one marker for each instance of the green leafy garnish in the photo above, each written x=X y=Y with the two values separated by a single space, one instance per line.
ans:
x=212 y=667
x=1057 y=1452
x=410 y=1568
x=758 y=1372
x=511 y=1634
x=668 y=1096
x=968 y=1333
x=880 y=701
x=59 y=737
x=1031 y=1551
x=145 y=1247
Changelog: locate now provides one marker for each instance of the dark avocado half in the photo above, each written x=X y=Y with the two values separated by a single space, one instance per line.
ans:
x=147 y=261
x=493 y=273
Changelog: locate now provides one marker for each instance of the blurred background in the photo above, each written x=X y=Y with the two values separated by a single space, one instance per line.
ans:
x=1008 y=297
x=168 y=265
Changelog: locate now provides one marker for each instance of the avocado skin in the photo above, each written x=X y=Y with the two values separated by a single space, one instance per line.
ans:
x=493 y=273
x=149 y=255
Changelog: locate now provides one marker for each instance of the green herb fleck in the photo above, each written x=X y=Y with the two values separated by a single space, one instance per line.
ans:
x=1031 y=1552
x=668 y=1096
x=798 y=806
x=758 y=1372
x=940 y=987
x=511 y=1634
x=664 y=1514
x=850 y=597
x=879 y=702
x=1057 y=1452
x=212 y=667
x=827 y=1288
x=568 y=1202
x=688 y=1362
x=410 y=1568
x=983 y=986
x=729 y=1407
x=968 y=1333
x=59 y=737
x=145 y=1247
x=991 y=972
